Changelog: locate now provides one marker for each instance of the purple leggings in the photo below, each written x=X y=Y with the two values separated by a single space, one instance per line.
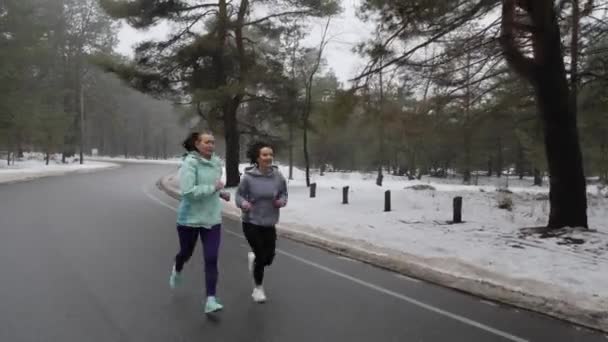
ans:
x=211 y=245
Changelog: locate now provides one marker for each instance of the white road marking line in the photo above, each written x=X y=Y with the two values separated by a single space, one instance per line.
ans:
x=156 y=199
x=408 y=299
x=346 y=259
x=488 y=303
x=404 y=277
x=377 y=288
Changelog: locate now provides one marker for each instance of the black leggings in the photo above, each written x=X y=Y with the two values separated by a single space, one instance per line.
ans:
x=262 y=241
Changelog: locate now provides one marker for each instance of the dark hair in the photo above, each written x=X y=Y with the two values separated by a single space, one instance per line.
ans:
x=253 y=152
x=190 y=143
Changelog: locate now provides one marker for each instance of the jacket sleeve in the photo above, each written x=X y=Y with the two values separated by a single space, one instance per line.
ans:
x=188 y=185
x=242 y=193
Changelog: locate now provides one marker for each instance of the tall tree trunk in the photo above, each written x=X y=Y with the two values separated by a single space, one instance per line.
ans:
x=233 y=147
x=164 y=148
x=396 y=162
x=293 y=107
x=306 y=155
x=381 y=152
x=144 y=140
x=490 y=170
x=102 y=138
x=305 y=119
x=308 y=105
x=48 y=148
x=604 y=161
x=412 y=166
x=499 y=158
x=520 y=161
x=69 y=140
x=467 y=158
x=574 y=54
x=538 y=177
x=291 y=139
x=19 y=141
x=547 y=73
x=467 y=131
x=66 y=67
x=232 y=103
x=81 y=121
x=567 y=194
x=8 y=149
x=125 y=143
x=231 y=132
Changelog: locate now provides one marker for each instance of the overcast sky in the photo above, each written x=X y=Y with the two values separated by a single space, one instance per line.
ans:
x=346 y=31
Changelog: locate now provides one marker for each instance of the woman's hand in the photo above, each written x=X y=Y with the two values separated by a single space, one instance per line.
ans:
x=225 y=196
x=246 y=205
x=219 y=185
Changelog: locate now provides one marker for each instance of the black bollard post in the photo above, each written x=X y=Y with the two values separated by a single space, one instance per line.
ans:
x=313 y=190
x=387 y=200
x=457 y=209
x=345 y=195
x=379 y=178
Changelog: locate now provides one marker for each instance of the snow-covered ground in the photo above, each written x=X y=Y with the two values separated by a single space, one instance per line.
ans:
x=491 y=238
x=171 y=161
x=33 y=166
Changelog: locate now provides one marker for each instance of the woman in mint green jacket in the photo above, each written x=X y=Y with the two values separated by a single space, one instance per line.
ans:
x=199 y=212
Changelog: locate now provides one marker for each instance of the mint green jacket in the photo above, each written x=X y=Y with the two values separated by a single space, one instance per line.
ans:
x=200 y=205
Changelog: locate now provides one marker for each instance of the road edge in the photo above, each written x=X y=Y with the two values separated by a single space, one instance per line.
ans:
x=493 y=286
x=114 y=166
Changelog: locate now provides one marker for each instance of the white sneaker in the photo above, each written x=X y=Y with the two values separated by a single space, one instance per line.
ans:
x=250 y=260
x=175 y=279
x=258 y=295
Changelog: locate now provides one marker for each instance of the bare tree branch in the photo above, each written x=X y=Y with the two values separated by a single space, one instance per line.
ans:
x=179 y=36
x=192 y=8
x=277 y=15
x=446 y=29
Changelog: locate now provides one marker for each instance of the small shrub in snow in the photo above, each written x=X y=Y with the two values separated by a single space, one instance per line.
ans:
x=602 y=190
x=420 y=187
x=505 y=203
x=504 y=190
x=542 y=197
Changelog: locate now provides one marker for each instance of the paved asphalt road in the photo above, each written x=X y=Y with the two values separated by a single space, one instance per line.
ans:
x=87 y=258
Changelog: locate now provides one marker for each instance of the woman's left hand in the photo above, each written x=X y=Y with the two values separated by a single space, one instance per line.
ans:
x=225 y=196
x=278 y=203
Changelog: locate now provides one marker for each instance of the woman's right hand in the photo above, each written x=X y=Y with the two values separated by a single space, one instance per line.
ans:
x=245 y=205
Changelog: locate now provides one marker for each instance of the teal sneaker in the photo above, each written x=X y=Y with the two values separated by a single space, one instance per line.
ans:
x=212 y=305
x=175 y=279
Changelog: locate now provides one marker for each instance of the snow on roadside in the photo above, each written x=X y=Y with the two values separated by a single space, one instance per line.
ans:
x=490 y=238
x=141 y=160
x=33 y=166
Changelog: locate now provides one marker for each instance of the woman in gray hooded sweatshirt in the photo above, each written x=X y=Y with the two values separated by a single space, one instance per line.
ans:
x=261 y=194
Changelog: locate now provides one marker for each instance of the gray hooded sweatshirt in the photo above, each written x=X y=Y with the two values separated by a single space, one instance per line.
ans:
x=262 y=190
